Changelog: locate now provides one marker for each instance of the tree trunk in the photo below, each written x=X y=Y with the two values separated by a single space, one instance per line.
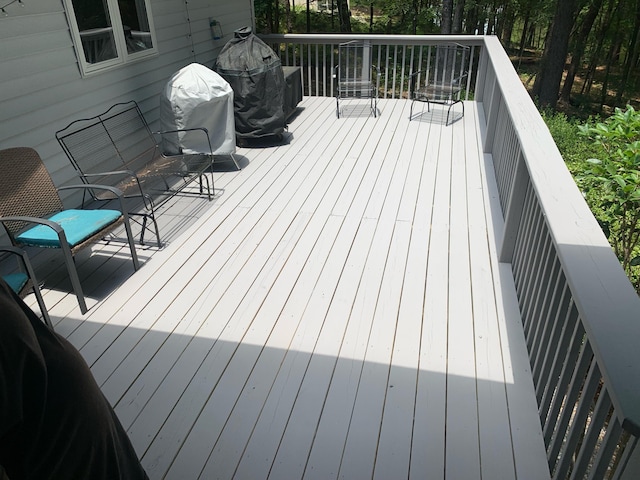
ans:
x=613 y=52
x=491 y=21
x=371 y=18
x=523 y=38
x=471 y=20
x=506 y=24
x=344 y=16
x=547 y=84
x=580 y=45
x=269 y=19
x=632 y=56
x=612 y=10
x=458 y=13
x=447 y=11
x=288 y=19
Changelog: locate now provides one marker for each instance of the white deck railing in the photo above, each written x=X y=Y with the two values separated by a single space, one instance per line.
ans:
x=397 y=56
x=581 y=317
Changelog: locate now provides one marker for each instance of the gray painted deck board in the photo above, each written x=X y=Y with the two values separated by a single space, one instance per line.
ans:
x=337 y=310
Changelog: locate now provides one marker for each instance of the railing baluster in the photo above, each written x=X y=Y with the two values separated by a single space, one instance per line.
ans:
x=611 y=441
x=309 y=68
x=590 y=443
x=558 y=431
x=546 y=318
x=404 y=60
x=561 y=301
x=566 y=354
x=524 y=227
x=538 y=279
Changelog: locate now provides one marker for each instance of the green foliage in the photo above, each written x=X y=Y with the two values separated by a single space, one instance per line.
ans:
x=603 y=159
x=611 y=182
x=390 y=17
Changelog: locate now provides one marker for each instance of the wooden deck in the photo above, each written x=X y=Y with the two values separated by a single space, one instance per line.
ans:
x=337 y=311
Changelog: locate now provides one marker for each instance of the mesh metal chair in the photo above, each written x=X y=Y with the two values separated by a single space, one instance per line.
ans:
x=444 y=78
x=355 y=74
x=32 y=212
x=24 y=280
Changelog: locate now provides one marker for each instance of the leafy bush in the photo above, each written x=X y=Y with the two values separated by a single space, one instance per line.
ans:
x=604 y=159
x=612 y=181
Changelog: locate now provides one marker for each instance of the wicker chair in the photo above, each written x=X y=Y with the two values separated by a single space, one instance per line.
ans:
x=24 y=280
x=32 y=213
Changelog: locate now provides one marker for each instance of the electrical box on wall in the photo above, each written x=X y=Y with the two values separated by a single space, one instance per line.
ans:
x=216 y=29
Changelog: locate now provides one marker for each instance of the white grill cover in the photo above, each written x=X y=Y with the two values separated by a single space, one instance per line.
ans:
x=197 y=97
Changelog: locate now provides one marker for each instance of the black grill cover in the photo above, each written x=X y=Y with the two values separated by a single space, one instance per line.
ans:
x=254 y=72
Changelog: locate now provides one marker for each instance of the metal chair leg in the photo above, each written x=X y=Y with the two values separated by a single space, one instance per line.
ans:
x=132 y=246
x=235 y=161
x=73 y=274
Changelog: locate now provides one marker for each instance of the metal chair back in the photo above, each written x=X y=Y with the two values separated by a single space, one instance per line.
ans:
x=444 y=78
x=355 y=74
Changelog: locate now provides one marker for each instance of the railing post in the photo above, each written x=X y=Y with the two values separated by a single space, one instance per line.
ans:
x=481 y=77
x=492 y=102
x=514 y=211
x=630 y=469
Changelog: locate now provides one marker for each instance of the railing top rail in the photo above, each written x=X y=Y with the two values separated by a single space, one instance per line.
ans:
x=325 y=38
x=608 y=305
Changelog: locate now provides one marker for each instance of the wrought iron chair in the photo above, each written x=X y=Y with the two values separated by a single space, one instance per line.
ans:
x=32 y=212
x=443 y=80
x=355 y=74
x=24 y=280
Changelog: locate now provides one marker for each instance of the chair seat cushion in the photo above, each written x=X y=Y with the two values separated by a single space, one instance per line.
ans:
x=78 y=225
x=16 y=281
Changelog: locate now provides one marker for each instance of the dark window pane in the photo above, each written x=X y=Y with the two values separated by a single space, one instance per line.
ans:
x=95 y=28
x=135 y=22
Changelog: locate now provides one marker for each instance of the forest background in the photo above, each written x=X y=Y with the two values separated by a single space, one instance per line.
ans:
x=578 y=59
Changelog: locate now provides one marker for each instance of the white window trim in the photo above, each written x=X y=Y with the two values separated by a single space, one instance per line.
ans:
x=123 y=56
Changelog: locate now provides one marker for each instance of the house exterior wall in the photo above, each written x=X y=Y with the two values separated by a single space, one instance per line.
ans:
x=41 y=86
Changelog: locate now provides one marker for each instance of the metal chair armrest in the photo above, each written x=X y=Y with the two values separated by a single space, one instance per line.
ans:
x=94 y=186
x=40 y=221
x=112 y=172
x=14 y=250
x=202 y=129
x=116 y=191
x=26 y=264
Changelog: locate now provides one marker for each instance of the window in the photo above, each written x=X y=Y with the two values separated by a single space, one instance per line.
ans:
x=110 y=32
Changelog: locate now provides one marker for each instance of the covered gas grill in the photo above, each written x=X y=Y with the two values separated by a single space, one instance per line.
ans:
x=196 y=99
x=254 y=72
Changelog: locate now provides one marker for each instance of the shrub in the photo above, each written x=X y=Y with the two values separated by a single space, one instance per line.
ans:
x=611 y=180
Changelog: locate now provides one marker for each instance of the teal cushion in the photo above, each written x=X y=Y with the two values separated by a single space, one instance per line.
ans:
x=16 y=280
x=78 y=225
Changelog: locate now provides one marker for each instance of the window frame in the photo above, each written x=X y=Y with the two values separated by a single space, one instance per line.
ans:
x=123 y=56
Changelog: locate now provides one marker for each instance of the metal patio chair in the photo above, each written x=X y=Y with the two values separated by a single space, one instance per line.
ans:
x=443 y=79
x=32 y=212
x=24 y=279
x=355 y=74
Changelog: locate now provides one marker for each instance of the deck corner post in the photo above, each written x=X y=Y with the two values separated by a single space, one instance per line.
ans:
x=492 y=103
x=514 y=210
x=631 y=464
x=481 y=77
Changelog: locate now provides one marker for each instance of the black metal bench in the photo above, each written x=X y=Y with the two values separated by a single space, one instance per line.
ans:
x=117 y=148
